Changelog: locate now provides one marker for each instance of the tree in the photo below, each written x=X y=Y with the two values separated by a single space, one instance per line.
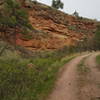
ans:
x=76 y=14
x=13 y=16
x=57 y=4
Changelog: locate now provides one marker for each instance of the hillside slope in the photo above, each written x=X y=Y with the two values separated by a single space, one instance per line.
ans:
x=53 y=29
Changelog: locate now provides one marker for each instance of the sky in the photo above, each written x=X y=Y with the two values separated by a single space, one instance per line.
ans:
x=85 y=8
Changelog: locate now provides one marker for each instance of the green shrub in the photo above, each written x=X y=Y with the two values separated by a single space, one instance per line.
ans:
x=13 y=15
x=98 y=61
x=76 y=14
x=82 y=68
x=15 y=78
x=97 y=38
x=72 y=28
x=57 y=4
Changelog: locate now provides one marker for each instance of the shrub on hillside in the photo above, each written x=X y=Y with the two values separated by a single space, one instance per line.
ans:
x=57 y=4
x=14 y=16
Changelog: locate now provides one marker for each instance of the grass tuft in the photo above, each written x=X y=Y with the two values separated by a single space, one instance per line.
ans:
x=82 y=68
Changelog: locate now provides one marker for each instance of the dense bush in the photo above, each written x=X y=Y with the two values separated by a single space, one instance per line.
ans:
x=97 y=38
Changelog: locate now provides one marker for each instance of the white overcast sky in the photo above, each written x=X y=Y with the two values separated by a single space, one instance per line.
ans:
x=86 y=8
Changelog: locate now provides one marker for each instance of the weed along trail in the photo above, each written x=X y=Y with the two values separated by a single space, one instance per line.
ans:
x=90 y=87
x=66 y=85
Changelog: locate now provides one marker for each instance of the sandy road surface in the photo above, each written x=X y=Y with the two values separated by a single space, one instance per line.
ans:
x=66 y=87
x=91 y=88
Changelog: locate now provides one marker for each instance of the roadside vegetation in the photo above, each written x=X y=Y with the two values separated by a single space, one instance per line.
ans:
x=97 y=38
x=82 y=68
x=98 y=61
x=82 y=71
x=29 y=78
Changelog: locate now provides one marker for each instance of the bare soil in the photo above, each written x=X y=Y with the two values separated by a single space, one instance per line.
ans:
x=68 y=86
x=91 y=88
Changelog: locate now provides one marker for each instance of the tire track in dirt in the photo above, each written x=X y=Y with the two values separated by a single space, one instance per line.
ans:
x=66 y=85
x=91 y=88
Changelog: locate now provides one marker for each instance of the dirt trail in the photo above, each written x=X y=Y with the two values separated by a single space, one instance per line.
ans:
x=91 y=89
x=69 y=87
x=66 y=85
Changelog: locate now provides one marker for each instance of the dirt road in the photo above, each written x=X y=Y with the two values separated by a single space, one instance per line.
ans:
x=66 y=87
x=91 y=89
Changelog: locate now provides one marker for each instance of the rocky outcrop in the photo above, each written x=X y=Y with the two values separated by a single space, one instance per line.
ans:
x=53 y=29
x=63 y=29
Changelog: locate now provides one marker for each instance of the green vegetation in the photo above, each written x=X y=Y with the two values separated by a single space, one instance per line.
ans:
x=29 y=78
x=72 y=27
x=77 y=28
x=82 y=68
x=97 y=38
x=27 y=37
x=87 y=44
x=82 y=71
x=25 y=77
x=57 y=4
x=98 y=61
x=13 y=16
x=76 y=14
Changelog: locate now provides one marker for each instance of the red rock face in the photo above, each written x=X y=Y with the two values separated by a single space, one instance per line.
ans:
x=62 y=29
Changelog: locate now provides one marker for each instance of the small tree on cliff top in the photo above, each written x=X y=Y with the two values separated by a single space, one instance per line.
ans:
x=57 y=4
x=76 y=14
